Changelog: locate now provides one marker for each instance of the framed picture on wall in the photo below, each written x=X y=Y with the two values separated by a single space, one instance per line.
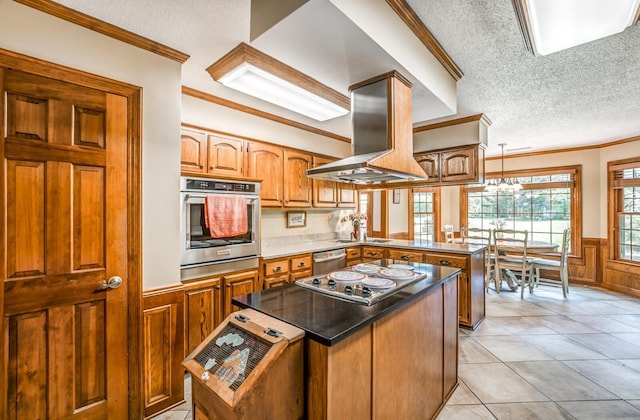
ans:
x=396 y=196
x=296 y=219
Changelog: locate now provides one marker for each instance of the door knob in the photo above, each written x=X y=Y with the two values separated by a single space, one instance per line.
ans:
x=113 y=283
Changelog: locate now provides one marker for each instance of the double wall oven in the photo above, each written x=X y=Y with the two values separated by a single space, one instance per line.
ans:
x=205 y=252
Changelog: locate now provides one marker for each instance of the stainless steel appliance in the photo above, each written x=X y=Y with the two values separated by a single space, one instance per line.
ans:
x=198 y=247
x=327 y=261
x=359 y=292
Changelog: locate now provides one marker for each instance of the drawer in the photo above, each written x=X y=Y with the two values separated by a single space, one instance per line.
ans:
x=276 y=267
x=447 y=260
x=301 y=263
x=297 y=275
x=353 y=253
x=275 y=281
x=373 y=253
x=404 y=255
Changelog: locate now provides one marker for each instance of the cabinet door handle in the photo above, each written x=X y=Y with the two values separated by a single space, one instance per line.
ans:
x=212 y=167
x=444 y=262
x=201 y=166
x=276 y=269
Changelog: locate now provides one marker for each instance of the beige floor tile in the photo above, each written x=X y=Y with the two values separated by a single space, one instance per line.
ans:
x=562 y=348
x=463 y=396
x=611 y=375
x=173 y=415
x=604 y=324
x=489 y=326
x=465 y=412
x=635 y=403
x=632 y=363
x=470 y=351
x=526 y=308
x=563 y=325
x=496 y=383
x=608 y=345
x=523 y=325
x=633 y=338
x=509 y=348
x=599 y=410
x=529 y=411
x=559 y=382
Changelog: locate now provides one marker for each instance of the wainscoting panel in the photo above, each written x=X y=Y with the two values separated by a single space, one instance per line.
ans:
x=163 y=349
x=585 y=269
x=618 y=276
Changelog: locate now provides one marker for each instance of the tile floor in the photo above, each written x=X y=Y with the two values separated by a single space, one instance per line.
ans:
x=544 y=357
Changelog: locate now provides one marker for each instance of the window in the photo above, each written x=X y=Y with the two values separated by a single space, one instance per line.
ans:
x=546 y=206
x=624 y=196
x=426 y=221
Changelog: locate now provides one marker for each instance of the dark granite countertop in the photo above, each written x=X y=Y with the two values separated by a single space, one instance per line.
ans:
x=327 y=319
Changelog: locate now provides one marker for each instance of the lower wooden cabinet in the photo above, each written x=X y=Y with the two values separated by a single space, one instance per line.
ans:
x=354 y=255
x=279 y=271
x=372 y=253
x=238 y=284
x=405 y=255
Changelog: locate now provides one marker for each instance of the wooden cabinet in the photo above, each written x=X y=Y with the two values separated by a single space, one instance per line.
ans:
x=328 y=194
x=372 y=253
x=471 y=297
x=211 y=154
x=296 y=184
x=459 y=165
x=204 y=307
x=405 y=255
x=265 y=162
x=279 y=271
x=236 y=284
x=354 y=255
x=193 y=151
x=225 y=156
x=283 y=175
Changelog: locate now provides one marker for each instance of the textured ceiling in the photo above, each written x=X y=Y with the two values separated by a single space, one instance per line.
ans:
x=582 y=96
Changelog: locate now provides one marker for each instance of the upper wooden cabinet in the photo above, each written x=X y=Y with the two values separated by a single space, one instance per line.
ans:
x=193 y=151
x=460 y=165
x=211 y=154
x=330 y=193
x=225 y=156
x=265 y=162
x=297 y=187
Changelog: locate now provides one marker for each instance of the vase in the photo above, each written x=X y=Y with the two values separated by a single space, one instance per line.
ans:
x=356 y=231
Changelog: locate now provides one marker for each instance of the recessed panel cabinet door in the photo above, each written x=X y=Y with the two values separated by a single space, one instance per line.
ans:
x=265 y=163
x=193 y=151
x=65 y=201
x=297 y=187
x=225 y=156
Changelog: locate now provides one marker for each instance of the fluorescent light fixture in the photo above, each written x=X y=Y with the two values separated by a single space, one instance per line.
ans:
x=254 y=81
x=252 y=72
x=553 y=25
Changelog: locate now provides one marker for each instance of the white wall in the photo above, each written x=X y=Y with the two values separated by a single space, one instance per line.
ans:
x=398 y=213
x=30 y=32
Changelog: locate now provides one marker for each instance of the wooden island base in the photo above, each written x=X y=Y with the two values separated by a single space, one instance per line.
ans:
x=404 y=365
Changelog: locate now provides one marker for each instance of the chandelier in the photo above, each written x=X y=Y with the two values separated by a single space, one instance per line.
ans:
x=504 y=184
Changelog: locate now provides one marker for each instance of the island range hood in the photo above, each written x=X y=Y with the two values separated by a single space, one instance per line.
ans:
x=382 y=141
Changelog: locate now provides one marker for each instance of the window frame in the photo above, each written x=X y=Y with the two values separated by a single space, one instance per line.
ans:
x=614 y=195
x=576 y=196
x=436 y=212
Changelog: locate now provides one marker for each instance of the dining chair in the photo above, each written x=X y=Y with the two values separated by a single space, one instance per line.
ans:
x=448 y=233
x=555 y=265
x=511 y=254
x=482 y=237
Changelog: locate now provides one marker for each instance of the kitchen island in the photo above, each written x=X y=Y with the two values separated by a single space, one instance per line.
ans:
x=397 y=358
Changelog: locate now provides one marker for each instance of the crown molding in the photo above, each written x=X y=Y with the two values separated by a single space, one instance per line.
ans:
x=411 y=19
x=97 y=25
x=570 y=149
x=253 y=111
x=245 y=53
x=448 y=123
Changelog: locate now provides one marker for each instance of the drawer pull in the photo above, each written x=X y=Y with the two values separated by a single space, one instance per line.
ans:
x=276 y=269
x=301 y=264
x=444 y=262
x=404 y=258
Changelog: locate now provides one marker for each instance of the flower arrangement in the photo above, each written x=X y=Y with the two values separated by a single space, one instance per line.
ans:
x=497 y=224
x=355 y=218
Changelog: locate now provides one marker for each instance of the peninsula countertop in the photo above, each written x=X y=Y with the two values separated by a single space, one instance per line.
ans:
x=285 y=250
x=328 y=320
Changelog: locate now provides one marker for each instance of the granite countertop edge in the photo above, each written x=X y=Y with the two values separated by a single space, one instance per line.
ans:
x=282 y=251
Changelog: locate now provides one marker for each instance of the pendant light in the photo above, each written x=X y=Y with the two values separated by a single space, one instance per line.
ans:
x=504 y=184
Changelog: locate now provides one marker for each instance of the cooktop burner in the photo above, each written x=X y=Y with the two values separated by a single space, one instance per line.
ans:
x=365 y=283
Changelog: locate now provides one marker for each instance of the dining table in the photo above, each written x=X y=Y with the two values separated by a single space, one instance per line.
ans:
x=533 y=247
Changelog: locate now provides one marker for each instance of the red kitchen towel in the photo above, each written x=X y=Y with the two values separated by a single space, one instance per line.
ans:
x=225 y=215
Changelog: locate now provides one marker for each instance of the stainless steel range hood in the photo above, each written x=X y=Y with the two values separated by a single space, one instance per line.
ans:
x=382 y=141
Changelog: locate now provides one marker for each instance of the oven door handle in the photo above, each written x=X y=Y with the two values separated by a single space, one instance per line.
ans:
x=335 y=257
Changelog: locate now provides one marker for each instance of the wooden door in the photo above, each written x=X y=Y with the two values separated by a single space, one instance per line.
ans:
x=225 y=156
x=297 y=186
x=265 y=162
x=324 y=192
x=193 y=151
x=65 y=212
x=236 y=285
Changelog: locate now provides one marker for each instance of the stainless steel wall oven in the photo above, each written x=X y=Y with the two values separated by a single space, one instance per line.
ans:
x=231 y=207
